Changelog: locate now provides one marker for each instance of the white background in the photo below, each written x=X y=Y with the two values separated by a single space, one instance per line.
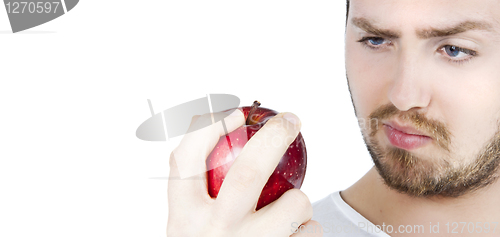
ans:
x=73 y=92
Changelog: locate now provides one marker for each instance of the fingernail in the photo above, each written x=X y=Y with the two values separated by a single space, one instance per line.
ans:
x=292 y=118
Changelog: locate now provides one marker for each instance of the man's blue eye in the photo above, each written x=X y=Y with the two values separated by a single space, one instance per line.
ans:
x=376 y=41
x=457 y=52
x=452 y=51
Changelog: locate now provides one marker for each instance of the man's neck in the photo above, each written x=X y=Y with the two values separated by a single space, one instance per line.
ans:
x=381 y=205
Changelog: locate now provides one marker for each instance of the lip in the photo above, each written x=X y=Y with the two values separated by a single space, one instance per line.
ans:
x=407 y=138
x=405 y=129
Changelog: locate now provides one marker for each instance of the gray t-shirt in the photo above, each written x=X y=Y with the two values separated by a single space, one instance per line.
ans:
x=339 y=219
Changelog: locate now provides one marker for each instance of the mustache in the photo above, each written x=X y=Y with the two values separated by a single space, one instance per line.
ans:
x=435 y=129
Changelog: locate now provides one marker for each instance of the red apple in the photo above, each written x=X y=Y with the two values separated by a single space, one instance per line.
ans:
x=289 y=173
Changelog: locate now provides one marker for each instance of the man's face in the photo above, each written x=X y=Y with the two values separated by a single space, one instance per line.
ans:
x=431 y=65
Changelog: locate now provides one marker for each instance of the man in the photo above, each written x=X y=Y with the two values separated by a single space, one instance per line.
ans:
x=425 y=76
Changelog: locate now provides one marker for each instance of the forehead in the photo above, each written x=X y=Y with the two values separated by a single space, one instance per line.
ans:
x=412 y=14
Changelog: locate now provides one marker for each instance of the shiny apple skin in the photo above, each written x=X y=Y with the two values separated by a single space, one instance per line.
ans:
x=289 y=173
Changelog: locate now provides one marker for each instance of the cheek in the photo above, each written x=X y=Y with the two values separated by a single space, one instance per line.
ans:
x=469 y=102
x=471 y=129
x=368 y=75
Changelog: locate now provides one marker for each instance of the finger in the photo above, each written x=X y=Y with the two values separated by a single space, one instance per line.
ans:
x=284 y=216
x=184 y=196
x=251 y=169
x=309 y=229
x=195 y=146
x=189 y=157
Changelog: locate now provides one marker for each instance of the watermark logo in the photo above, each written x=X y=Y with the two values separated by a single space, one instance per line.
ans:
x=26 y=14
x=175 y=121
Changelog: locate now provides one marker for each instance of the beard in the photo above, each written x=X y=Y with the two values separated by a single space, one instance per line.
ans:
x=440 y=176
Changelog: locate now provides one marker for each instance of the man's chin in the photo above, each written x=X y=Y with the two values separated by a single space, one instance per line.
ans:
x=408 y=174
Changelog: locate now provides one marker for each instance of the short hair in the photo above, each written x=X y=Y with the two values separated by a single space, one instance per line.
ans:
x=347 y=12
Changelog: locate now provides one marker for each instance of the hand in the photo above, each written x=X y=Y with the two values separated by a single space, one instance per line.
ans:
x=192 y=212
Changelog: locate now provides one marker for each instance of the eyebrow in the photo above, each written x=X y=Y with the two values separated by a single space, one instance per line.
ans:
x=457 y=29
x=368 y=27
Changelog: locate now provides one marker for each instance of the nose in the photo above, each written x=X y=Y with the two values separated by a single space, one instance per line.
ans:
x=409 y=87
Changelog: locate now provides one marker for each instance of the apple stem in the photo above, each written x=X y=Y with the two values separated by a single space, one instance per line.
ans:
x=252 y=110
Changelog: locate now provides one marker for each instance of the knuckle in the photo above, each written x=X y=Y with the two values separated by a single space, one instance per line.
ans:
x=206 y=118
x=218 y=224
x=244 y=176
x=200 y=121
x=301 y=202
x=194 y=119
